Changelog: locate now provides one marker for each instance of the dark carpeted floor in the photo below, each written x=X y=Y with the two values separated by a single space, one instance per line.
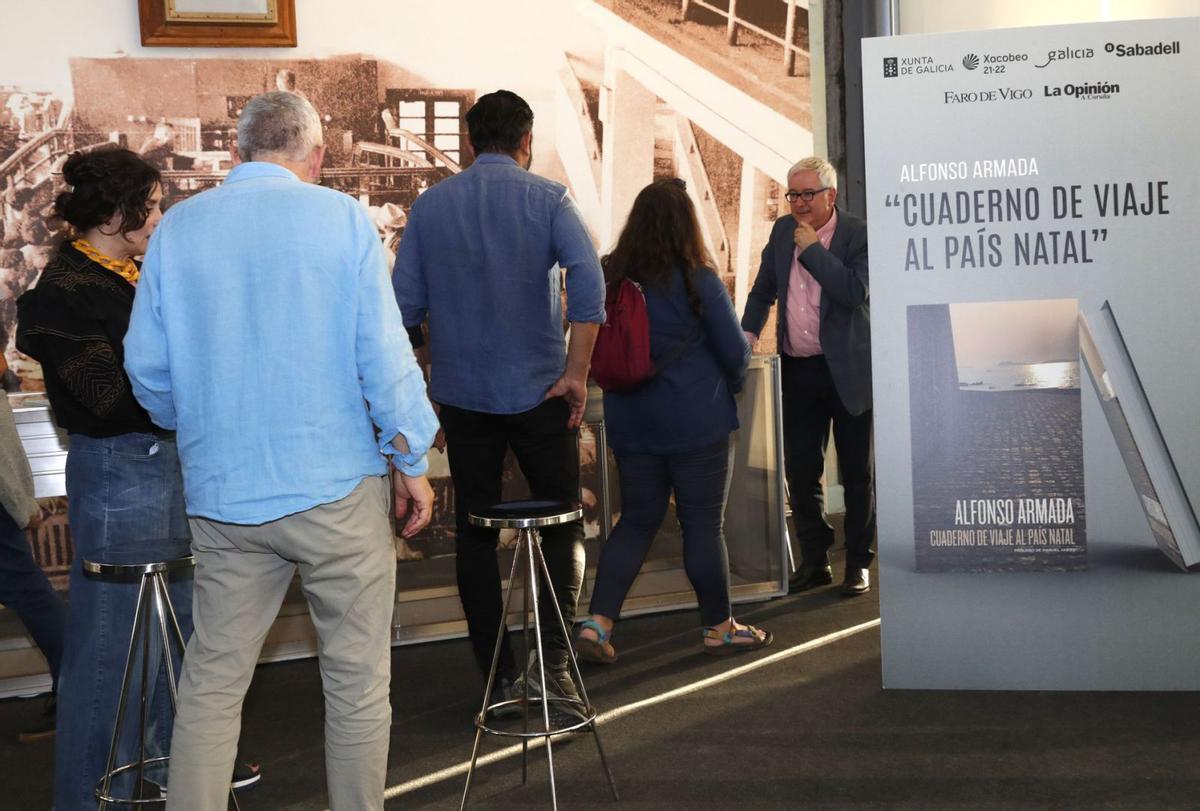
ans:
x=810 y=729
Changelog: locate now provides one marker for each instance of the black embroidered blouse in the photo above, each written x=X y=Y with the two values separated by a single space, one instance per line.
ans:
x=73 y=323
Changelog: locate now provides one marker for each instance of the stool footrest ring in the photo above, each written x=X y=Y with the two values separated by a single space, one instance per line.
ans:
x=128 y=767
x=588 y=719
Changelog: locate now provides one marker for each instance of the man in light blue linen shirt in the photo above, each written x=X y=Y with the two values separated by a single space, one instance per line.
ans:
x=264 y=332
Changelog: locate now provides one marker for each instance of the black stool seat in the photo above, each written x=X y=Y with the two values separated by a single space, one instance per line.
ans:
x=124 y=571
x=526 y=514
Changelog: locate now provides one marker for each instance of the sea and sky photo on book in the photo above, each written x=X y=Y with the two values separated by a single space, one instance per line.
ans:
x=997 y=436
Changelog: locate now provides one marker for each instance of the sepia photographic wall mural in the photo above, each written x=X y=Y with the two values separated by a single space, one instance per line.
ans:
x=624 y=91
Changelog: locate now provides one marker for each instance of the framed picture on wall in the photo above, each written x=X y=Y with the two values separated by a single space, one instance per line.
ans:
x=218 y=23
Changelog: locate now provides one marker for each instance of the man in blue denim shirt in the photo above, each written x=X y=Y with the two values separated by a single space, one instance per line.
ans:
x=264 y=332
x=481 y=262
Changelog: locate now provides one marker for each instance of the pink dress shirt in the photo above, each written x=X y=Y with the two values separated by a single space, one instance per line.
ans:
x=802 y=338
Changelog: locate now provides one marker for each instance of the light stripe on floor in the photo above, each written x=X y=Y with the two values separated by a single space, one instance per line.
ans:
x=620 y=712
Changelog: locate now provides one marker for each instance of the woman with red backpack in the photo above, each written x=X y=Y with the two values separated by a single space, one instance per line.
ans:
x=670 y=432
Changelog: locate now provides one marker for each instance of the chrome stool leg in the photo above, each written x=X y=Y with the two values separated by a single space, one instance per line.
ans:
x=481 y=719
x=532 y=542
x=152 y=609
x=525 y=681
x=526 y=517
x=578 y=676
x=166 y=608
x=163 y=603
x=104 y=791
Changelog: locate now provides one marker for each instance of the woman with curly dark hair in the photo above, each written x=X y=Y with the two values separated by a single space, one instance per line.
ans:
x=124 y=486
x=671 y=434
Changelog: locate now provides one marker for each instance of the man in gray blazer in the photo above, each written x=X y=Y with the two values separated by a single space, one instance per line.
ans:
x=815 y=266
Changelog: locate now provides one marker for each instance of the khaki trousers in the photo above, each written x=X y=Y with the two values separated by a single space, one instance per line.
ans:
x=343 y=551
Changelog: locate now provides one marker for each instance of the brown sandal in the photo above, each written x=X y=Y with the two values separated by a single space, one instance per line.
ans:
x=595 y=650
x=729 y=647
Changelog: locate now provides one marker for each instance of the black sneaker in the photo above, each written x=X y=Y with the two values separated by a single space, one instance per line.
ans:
x=43 y=728
x=245 y=776
x=502 y=690
x=562 y=713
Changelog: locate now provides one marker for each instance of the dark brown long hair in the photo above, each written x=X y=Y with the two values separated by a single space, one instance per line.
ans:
x=661 y=234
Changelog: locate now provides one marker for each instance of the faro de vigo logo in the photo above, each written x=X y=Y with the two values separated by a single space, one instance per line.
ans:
x=970 y=61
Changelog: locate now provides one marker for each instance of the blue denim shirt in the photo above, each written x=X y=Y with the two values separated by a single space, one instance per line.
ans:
x=481 y=258
x=265 y=332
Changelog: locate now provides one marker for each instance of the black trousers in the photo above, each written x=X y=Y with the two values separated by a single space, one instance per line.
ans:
x=810 y=404
x=548 y=454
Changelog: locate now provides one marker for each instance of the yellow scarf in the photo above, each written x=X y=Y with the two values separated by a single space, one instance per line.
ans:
x=127 y=269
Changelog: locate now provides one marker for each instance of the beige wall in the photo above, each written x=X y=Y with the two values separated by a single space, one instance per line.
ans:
x=931 y=16
x=419 y=43
x=447 y=43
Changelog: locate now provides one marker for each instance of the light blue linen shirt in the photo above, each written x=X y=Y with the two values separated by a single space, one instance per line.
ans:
x=265 y=332
x=481 y=257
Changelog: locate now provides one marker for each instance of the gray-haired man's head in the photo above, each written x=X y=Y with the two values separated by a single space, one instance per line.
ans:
x=279 y=127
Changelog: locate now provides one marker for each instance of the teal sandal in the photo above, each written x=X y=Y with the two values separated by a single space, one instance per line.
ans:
x=729 y=646
x=595 y=650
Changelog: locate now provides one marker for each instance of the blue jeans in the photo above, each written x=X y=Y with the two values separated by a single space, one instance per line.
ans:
x=125 y=505
x=700 y=481
x=25 y=589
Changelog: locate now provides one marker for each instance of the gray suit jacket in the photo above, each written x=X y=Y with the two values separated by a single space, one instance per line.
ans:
x=845 y=300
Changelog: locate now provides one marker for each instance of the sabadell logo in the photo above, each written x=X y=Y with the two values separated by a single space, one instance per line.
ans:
x=1137 y=49
x=970 y=61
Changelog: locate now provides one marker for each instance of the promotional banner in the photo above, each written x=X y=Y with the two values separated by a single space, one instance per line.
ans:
x=1033 y=199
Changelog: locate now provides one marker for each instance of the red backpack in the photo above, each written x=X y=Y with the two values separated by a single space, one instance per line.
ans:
x=621 y=358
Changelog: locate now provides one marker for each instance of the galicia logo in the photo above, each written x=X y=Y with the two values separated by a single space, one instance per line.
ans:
x=970 y=61
x=1160 y=49
x=1064 y=54
x=891 y=68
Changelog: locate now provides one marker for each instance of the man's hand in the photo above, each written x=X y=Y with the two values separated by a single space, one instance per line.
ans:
x=572 y=386
x=415 y=493
x=36 y=519
x=804 y=235
x=751 y=339
x=574 y=391
x=439 y=439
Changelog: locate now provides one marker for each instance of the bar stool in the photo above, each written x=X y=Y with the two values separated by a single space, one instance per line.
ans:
x=527 y=517
x=154 y=608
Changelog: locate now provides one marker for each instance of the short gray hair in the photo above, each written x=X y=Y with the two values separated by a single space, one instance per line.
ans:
x=822 y=167
x=280 y=124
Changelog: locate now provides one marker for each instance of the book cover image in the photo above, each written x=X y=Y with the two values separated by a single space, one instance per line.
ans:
x=1167 y=508
x=997 y=436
